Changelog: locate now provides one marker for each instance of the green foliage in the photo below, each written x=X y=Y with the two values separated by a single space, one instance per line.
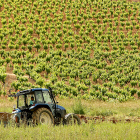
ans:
x=37 y=46
x=2 y=74
x=78 y=108
x=40 y=82
x=133 y=83
x=133 y=91
x=15 y=85
x=68 y=44
x=138 y=93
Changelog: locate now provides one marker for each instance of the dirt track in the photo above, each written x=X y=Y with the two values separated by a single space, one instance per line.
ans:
x=11 y=74
x=100 y=119
x=11 y=77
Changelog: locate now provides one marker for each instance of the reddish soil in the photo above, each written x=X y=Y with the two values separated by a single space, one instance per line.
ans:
x=100 y=119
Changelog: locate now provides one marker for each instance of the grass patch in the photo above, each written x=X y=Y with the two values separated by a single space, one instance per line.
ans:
x=105 y=131
x=78 y=108
x=103 y=113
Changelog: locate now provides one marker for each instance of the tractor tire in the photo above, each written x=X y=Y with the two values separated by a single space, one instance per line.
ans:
x=72 y=119
x=43 y=116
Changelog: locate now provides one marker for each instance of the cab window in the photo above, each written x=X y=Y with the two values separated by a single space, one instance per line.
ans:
x=21 y=101
x=47 y=98
x=30 y=99
x=39 y=98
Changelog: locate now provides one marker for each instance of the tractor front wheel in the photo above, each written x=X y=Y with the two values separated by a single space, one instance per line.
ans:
x=43 y=116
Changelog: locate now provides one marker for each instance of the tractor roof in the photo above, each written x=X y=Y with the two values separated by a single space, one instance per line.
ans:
x=30 y=90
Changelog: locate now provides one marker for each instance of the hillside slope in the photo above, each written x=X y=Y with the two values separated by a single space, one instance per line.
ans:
x=86 y=48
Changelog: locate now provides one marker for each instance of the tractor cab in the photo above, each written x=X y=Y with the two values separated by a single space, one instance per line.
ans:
x=29 y=98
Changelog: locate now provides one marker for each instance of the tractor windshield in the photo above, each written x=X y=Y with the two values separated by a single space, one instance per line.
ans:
x=43 y=97
x=46 y=96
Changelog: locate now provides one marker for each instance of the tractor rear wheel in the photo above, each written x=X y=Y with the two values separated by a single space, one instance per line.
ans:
x=43 y=116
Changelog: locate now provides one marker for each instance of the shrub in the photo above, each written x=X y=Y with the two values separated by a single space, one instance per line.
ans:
x=37 y=46
x=40 y=82
x=133 y=91
x=138 y=93
x=74 y=91
x=78 y=108
x=133 y=83
x=16 y=85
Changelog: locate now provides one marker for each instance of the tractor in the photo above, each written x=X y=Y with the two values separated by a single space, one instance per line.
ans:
x=39 y=106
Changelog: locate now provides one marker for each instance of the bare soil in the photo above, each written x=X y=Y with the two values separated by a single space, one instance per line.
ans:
x=100 y=119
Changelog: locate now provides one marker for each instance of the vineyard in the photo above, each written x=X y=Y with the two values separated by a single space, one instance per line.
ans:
x=81 y=48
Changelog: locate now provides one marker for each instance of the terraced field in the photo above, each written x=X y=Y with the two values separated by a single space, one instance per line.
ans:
x=84 y=48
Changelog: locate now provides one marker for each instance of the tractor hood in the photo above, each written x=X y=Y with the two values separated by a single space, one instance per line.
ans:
x=60 y=110
x=60 y=107
x=43 y=105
